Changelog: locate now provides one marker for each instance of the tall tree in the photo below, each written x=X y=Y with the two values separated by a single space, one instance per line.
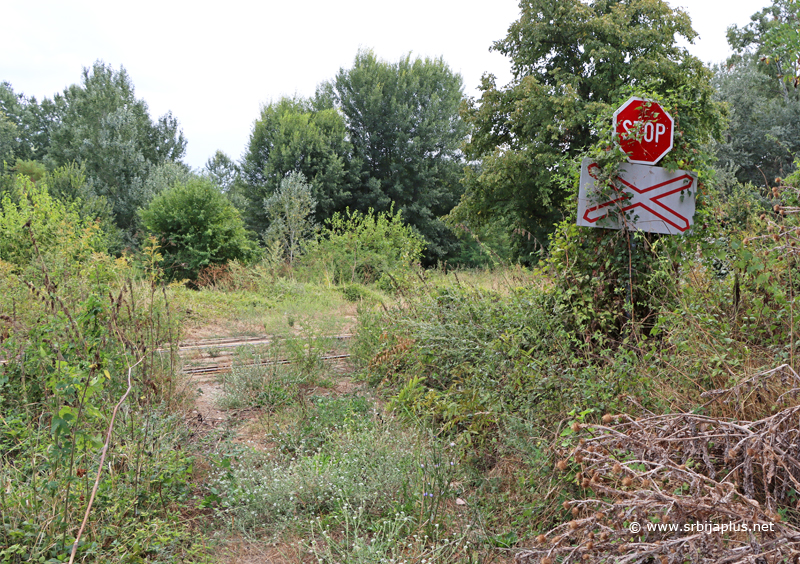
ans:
x=293 y=135
x=33 y=123
x=222 y=171
x=763 y=136
x=571 y=60
x=773 y=36
x=403 y=121
x=8 y=138
x=102 y=126
x=289 y=211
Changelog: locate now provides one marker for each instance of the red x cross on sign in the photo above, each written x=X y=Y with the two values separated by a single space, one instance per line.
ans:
x=647 y=198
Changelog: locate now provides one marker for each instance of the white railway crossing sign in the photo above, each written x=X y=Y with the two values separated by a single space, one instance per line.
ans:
x=646 y=198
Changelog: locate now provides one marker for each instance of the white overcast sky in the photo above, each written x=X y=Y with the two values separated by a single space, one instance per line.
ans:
x=213 y=64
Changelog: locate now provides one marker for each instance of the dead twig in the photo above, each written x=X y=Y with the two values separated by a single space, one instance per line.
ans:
x=697 y=488
x=102 y=460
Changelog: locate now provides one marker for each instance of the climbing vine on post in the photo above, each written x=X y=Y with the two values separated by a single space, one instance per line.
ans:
x=613 y=282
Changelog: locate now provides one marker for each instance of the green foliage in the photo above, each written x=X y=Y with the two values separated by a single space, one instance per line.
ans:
x=69 y=185
x=612 y=283
x=31 y=121
x=272 y=386
x=196 y=226
x=403 y=122
x=358 y=293
x=772 y=35
x=8 y=137
x=572 y=61
x=289 y=211
x=340 y=464
x=73 y=334
x=378 y=135
x=222 y=171
x=372 y=247
x=293 y=135
x=463 y=358
x=34 y=170
x=274 y=376
x=601 y=291
x=762 y=138
x=760 y=260
x=63 y=236
x=103 y=128
x=485 y=245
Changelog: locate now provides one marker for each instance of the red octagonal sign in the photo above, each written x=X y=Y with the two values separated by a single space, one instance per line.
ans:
x=644 y=130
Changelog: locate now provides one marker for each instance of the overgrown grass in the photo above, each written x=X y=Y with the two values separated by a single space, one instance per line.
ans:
x=355 y=483
x=86 y=339
x=485 y=381
x=507 y=374
x=273 y=307
x=69 y=348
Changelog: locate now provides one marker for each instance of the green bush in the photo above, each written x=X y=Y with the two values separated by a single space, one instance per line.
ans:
x=196 y=227
x=29 y=213
x=366 y=248
x=72 y=335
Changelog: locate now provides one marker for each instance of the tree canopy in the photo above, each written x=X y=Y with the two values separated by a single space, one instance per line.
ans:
x=404 y=124
x=759 y=83
x=773 y=36
x=379 y=134
x=292 y=135
x=32 y=123
x=763 y=136
x=102 y=127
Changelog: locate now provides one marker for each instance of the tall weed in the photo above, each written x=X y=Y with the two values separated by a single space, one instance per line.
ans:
x=68 y=339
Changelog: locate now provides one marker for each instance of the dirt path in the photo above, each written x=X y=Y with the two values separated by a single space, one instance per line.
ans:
x=205 y=362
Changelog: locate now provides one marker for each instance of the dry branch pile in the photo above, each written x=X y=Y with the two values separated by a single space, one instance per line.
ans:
x=673 y=473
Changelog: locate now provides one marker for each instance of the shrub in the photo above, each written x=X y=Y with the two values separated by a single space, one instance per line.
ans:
x=365 y=248
x=290 y=211
x=197 y=226
x=60 y=232
x=69 y=341
x=341 y=455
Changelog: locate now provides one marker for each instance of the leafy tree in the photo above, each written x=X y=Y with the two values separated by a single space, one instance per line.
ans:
x=290 y=212
x=773 y=36
x=226 y=174
x=222 y=171
x=196 y=226
x=103 y=127
x=8 y=138
x=33 y=123
x=764 y=130
x=403 y=121
x=571 y=60
x=292 y=135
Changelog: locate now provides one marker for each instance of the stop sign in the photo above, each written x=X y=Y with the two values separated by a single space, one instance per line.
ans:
x=644 y=130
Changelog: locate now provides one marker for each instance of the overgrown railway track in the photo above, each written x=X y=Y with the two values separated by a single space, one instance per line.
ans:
x=216 y=356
